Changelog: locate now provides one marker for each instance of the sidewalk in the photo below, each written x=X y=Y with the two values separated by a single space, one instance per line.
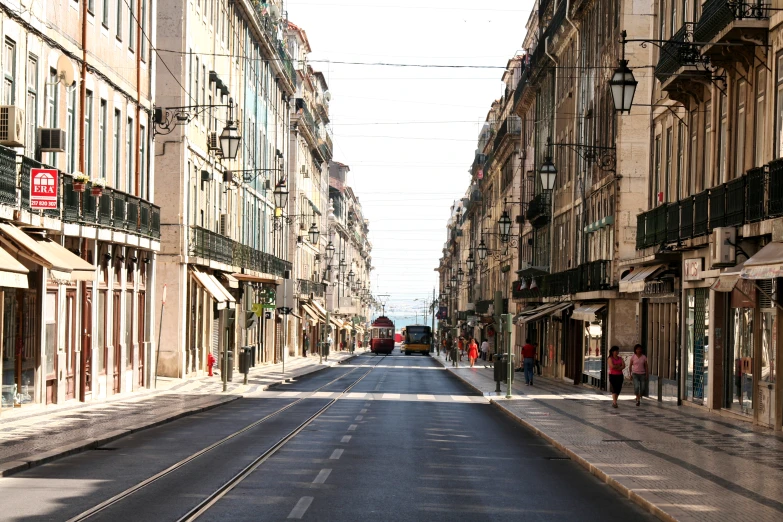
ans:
x=678 y=462
x=34 y=437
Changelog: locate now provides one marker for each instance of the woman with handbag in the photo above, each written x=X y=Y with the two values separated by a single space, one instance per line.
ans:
x=616 y=367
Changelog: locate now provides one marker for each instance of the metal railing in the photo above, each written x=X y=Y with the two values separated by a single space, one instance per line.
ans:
x=755 y=180
x=677 y=52
x=673 y=222
x=311 y=287
x=735 y=203
x=539 y=209
x=716 y=15
x=8 y=194
x=701 y=213
x=212 y=246
x=686 y=217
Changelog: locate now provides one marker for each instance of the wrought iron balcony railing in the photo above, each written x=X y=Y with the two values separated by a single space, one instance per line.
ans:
x=538 y=211
x=212 y=246
x=311 y=287
x=716 y=15
x=678 y=52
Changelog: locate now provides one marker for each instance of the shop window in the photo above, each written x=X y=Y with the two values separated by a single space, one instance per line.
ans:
x=9 y=349
x=696 y=344
x=101 y=331
x=50 y=322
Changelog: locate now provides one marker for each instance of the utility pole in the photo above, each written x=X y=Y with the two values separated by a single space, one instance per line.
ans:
x=506 y=328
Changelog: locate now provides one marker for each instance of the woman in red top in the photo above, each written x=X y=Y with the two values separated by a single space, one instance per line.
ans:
x=616 y=367
x=472 y=352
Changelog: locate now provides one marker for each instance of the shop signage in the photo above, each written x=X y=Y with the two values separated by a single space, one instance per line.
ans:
x=43 y=189
x=692 y=269
x=664 y=288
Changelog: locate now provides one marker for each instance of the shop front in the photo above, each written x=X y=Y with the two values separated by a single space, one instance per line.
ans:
x=590 y=321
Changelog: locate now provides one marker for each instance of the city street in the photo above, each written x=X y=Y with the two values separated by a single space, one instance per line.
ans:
x=378 y=438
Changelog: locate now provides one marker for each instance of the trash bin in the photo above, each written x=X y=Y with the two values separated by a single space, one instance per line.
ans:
x=245 y=359
x=500 y=367
x=253 y=355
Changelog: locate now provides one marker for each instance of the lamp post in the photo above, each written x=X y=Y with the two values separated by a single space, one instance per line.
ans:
x=504 y=226
x=623 y=84
x=482 y=250
x=313 y=234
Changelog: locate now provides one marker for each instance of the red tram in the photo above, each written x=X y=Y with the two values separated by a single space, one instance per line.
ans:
x=382 y=336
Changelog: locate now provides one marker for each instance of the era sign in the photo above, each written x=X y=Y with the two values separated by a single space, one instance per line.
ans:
x=43 y=189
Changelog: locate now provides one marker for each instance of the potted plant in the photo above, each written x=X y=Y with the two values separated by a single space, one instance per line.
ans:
x=96 y=188
x=80 y=180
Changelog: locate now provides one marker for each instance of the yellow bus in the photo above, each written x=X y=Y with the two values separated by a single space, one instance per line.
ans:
x=417 y=339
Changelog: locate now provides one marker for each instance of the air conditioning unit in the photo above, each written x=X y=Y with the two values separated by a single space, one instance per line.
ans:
x=723 y=250
x=51 y=140
x=11 y=126
x=213 y=142
x=224 y=226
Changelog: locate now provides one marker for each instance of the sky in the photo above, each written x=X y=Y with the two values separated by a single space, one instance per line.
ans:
x=409 y=133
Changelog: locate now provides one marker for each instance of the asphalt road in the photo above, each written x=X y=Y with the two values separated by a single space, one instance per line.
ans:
x=433 y=454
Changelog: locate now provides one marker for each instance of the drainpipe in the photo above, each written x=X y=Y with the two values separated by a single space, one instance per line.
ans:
x=83 y=86
x=137 y=152
x=551 y=131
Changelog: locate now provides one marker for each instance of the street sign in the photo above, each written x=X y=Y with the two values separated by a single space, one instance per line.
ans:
x=43 y=189
x=284 y=310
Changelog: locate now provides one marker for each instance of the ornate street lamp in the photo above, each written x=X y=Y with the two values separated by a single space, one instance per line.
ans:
x=329 y=253
x=548 y=172
x=230 y=138
x=482 y=250
x=281 y=195
x=460 y=274
x=313 y=234
x=351 y=275
x=471 y=262
x=454 y=281
x=504 y=226
x=623 y=83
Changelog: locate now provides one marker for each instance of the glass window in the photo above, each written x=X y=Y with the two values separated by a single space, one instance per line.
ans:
x=740 y=365
x=143 y=21
x=681 y=174
x=779 y=113
x=50 y=322
x=130 y=175
x=119 y=19
x=9 y=70
x=722 y=138
x=105 y=14
x=31 y=108
x=132 y=27
x=657 y=196
x=739 y=163
x=693 y=179
x=696 y=344
x=662 y=19
x=707 y=170
x=103 y=125
x=117 y=146
x=70 y=150
x=668 y=174
x=88 y=133
x=761 y=115
x=9 y=349
x=101 y=361
x=143 y=163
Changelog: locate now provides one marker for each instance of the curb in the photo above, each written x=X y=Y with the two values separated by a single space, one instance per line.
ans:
x=592 y=469
x=15 y=466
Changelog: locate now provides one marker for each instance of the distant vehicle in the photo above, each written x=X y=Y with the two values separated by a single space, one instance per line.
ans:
x=418 y=339
x=382 y=336
x=397 y=338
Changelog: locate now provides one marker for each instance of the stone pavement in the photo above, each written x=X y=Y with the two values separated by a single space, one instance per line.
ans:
x=32 y=437
x=679 y=462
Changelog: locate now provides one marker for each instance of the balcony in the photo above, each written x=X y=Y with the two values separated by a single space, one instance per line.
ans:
x=308 y=287
x=8 y=191
x=677 y=53
x=212 y=246
x=511 y=126
x=589 y=277
x=538 y=211
x=724 y=21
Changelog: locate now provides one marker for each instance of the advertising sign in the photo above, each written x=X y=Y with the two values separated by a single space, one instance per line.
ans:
x=43 y=189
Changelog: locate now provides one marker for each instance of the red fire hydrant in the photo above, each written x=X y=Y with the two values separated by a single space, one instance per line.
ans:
x=210 y=362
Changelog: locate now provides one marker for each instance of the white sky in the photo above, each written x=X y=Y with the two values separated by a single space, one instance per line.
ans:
x=409 y=134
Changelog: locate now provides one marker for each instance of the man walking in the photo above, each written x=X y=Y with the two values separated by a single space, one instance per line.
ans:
x=484 y=349
x=528 y=360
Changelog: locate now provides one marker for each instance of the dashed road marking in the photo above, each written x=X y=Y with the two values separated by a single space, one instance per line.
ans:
x=322 y=476
x=425 y=397
x=391 y=395
x=347 y=438
x=359 y=417
x=336 y=454
x=364 y=410
x=301 y=507
x=352 y=427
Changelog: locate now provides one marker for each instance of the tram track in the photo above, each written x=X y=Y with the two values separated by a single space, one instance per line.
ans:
x=244 y=472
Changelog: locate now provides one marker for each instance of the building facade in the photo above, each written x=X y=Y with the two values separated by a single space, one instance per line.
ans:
x=78 y=295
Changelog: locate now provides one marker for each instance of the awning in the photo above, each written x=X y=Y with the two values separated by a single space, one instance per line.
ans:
x=767 y=263
x=728 y=279
x=634 y=281
x=13 y=273
x=559 y=308
x=230 y=280
x=63 y=265
x=208 y=285
x=230 y=300
x=336 y=322
x=534 y=314
x=312 y=314
x=587 y=312
x=256 y=279
x=317 y=306
x=347 y=326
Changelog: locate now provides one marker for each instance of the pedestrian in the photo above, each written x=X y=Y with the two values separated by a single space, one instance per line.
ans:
x=616 y=367
x=484 y=349
x=472 y=352
x=305 y=344
x=461 y=346
x=640 y=373
x=528 y=360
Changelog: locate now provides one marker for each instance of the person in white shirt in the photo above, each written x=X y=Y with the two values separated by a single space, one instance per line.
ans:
x=484 y=349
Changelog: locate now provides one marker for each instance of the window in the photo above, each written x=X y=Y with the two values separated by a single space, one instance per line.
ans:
x=131 y=24
x=9 y=72
x=761 y=115
x=722 y=137
x=668 y=176
x=204 y=92
x=91 y=6
x=70 y=147
x=117 y=145
x=143 y=21
x=103 y=126
x=657 y=173
x=130 y=175
x=31 y=108
x=88 y=151
x=707 y=170
x=119 y=20
x=739 y=147
x=673 y=18
x=779 y=113
x=662 y=20
x=53 y=102
x=105 y=14
x=143 y=163
x=195 y=77
x=681 y=137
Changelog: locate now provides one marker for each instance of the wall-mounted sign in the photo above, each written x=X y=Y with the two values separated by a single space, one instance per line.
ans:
x=43 y=189
x=692 y=269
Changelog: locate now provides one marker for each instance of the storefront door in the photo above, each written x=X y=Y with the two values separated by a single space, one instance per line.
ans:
x=696 y=344
x=116 y=337
x=142 y=336
x=70 y=344
x=86 y=374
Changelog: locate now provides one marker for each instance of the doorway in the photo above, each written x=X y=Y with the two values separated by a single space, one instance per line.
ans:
x=70 y=344
x=86 y=374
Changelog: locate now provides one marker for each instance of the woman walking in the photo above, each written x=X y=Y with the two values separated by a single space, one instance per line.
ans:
x=472 y=352
x=616 y=367
x=640 y=373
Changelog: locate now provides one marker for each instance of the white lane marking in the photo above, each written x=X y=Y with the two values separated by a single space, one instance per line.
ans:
x=322 y=476
x=324 y=395
x=290 y=394
x=356 y=395
x=359 y=417
x=425 y=397
x=352 y=427
x=391 y=395
x=364 y=410
x=301 y=507
x=460 y=398
x=347 y=438
x=367 y=404
x=336 y=454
